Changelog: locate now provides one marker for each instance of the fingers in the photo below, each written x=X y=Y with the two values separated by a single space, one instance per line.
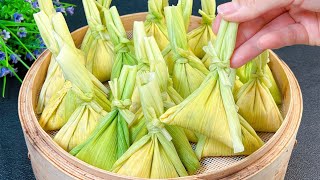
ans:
x=293 y=34
x=252 y=47
x=245 y=10
x=248 y=29
x=216 y=24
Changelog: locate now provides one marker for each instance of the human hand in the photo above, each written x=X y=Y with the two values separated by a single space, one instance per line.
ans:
x=270 y=24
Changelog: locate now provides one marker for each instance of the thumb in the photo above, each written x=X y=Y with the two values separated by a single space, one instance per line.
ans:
x=245 y=10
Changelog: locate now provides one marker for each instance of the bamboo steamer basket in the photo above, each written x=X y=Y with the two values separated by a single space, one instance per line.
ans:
x=49 y=161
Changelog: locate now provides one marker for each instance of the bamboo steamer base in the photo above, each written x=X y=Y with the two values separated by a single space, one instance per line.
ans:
x=49 y=161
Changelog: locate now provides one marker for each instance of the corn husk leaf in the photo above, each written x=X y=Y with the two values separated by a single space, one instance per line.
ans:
x=255 y=101
x=79 y=126
x=96 y=45
x=237 y=85
x=155 y=22
x=81 y=87
x=199 y=37
x=188 y=72
x=186 y=9
x=245 y=71
x=159 y=156
x=212 y=147
x=111 y=137
x=49 y=21
x=123 y=48
x=150 y=60
x=210 y=110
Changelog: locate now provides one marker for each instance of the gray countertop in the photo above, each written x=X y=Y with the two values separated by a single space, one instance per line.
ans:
x=303 y=61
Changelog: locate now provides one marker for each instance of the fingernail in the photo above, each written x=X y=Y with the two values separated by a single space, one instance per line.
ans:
x=227 y=8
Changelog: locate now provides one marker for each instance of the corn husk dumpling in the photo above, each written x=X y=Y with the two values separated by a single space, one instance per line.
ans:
x=244 y=73
x=123 y=47
x=210 y=110
x=150 y=60
x=255 y=101
x=81 y=86
x=155 y=22
x=185 y=7
x=199 y=37
x=188 y=72
x=48 y=20
x=212 y=147
x=96 y=44
x=159 y=157
x=80 y=125
x=111 y=137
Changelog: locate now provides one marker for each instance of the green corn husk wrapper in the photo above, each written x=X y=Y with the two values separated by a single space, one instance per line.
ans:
x=81 y=86
x=185 y=7
x=150 y=60
x=237 y=85
x=211 y=110
x=188 y=72
x=199 y=37
x=244 y=74
x=155 y=22
x=80 y=125
x=165 y=151
x=110 y=140
x=123 y=47
x=96 y=44
x=49 y=21
x=255 y=101
x=211 y=147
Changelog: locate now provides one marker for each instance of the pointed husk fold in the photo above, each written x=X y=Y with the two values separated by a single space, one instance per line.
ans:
x=210 y=110
x=80 y=125
x=155 y=22
x=96 y=44
x=81 y=86
x=255 y=101
x=159 y=155
x=199 y=37
x=111 y=137
x=49 y=22
x=212 y=147
x=123 y=47
x=244 y=73
x=188 y=72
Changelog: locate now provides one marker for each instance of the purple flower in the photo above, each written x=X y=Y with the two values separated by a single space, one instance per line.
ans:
x=37 y=53
x=61 y=9
x=15 y=70
x=35 y=4
x=22 y=32
x=70 y=10
x=29 y=57
x=2 y=56
x=56 y=3
x=17 y=17
x=14 y=58
x=4 y=71
x=5 y=34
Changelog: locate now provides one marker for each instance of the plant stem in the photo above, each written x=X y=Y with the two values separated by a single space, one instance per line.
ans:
x=20 y=60
x=67 y=4
x=4 y=27
x=4 y=86
x=10 y=23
